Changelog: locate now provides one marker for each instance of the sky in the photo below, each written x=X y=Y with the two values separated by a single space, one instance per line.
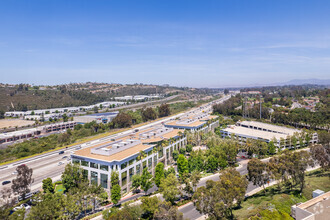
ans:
x=183 y=42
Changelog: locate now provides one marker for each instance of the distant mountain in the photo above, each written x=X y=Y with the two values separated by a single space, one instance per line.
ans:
x=296 y=82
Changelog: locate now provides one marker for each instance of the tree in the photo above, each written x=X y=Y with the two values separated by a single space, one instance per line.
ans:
x=136 y=181
x=115 y=188
x=21 y=185
x=175 y=155
x=146 y=182
x=226 y=91
x=148 y=114
x=194 y=179
x=164 y=110
x=159 y=173
x=72 y=176
x=166 y=211
x=114 y=178
x=122 y=120
x=217 y=199
x=169 y=188
x=149 y=206
x=321 y=154
x=65 y=117
x=189 y=148
x=182 y=164
x=257 y=172
x=271 y=148
x=169 y=171
x=211 y=164
x=2 y=114
x=47 y=185
x=115 y=194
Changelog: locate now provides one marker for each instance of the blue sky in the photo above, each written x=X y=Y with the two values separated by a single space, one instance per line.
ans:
x=185 y=43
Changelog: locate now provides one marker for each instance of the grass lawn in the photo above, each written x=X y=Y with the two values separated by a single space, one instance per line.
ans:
x=276 y=204
x=59 y=188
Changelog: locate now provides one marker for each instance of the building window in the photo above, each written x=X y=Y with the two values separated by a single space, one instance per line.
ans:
x=160 y=153
x=167 y=154
x=144 y=164
x=104 y=180
x=138 y=169
x=131 y=162
x=104 y=167
x=123 y=178
x=84 y=163
x=94 y=176
x=149 y=163
x=94 y=165
x=85 y=174
x=155 y=160
x=123 y=165
x=76 y=161
x=131 y=173
x=149 y=153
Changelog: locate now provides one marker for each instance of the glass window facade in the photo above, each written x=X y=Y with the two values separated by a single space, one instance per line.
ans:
x=138 y=169
x=155 y=160
x=104 y=167
x=94 y=177
x=144 y=164
x=104 y=180
x=123 y=165
x=85 y=174
x=76 y=161
x=160 y=153
x=123 y=178
x=84 y=163
x=131 y=162
x=131 y=173
x=149 y=163
x=94 y=165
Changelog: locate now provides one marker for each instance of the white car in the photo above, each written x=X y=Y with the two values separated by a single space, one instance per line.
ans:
x=15 y=172
x=60 y=163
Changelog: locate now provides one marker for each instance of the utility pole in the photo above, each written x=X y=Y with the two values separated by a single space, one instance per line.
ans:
x=260 y=104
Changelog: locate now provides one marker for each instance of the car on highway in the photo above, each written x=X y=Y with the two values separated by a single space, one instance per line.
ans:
x=6 y=182
x=15 y=172
x=79 y=147
x=60 y=163
x=61 y=152
x=64 y=157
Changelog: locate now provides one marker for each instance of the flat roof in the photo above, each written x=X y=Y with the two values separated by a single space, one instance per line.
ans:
x=319 y=206
x=103 y=114
x=181 y=123
x=254 y=133
x=86 y=152
x=276 y=128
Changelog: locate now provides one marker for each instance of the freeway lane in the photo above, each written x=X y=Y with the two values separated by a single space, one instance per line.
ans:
x=46 y=165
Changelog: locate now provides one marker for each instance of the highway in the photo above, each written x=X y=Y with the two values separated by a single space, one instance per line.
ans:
x=47 y=165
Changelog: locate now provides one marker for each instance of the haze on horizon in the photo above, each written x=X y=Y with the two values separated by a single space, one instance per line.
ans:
x=183 y=43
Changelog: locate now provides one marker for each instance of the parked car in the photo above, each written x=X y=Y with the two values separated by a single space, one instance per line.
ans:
x=6 y=182
x=26 y=206
x=61 y=152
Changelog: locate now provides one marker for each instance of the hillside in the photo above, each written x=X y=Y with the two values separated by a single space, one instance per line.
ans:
x=25 y=97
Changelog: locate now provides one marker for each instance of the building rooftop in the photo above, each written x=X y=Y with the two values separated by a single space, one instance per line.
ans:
x=136 y=142
x=274 y=128
x=318 y=206
x=265 y=135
